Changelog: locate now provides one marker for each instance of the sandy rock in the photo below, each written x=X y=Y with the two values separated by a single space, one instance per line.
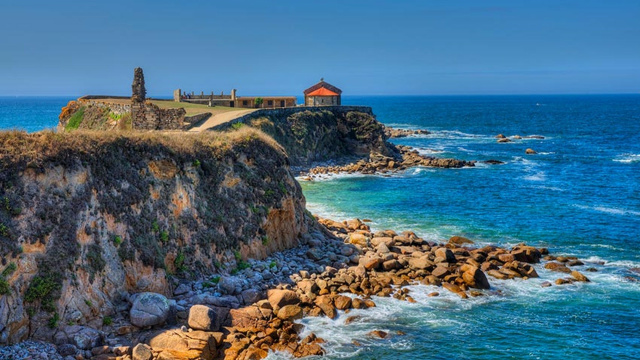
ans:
x=358 y=239
x=177 y=344
x=446 y=255
x=203 y=318
x=290 y=313
x=378 y=334
x=579 y=276
x=324 y=302
x=475 y=278
x=459 y=240
x=342 y=302
x=149 y=309
x=279 y=298
x=554 y=266
x=530 y=152
x=141 y=352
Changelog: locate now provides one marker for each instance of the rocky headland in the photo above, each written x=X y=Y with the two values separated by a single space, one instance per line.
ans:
x=131 y=245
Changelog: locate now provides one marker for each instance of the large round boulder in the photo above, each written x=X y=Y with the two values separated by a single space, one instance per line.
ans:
x=149 y=309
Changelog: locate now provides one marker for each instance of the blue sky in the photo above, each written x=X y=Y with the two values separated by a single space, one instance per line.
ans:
x=372 y=47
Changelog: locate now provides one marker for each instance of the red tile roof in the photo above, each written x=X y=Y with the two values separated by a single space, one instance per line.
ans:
x=322 y=92
x=323 y=84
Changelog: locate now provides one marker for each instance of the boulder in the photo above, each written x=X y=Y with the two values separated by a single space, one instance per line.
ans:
x=498 y=275
x=554 y=266
x=202 y=317
x=459 y=240
x=149 y=309
x=388 y=241
x=358 y=239
x=326 y=305
x=82 y=337
x=530 y=152
x=378 y=334
x=279 y=298
x=249 y=317
x=421 y=263
x=579 y=276
x=440 y=272
x=178 y=344
x=475 y=278
x=505 y=140
x=445 y=254
x=141 y=352
x=290 y=313
x=342 y=302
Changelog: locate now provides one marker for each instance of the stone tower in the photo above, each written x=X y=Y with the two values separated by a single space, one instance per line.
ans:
x=139 y=93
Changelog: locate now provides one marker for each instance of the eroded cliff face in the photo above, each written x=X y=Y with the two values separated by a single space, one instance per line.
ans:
x=88 y=218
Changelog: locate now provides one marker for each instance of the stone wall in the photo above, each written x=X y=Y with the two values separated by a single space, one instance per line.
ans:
x=147 y=116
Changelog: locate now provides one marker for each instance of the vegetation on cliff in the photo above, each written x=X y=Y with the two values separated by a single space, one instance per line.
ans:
x=89 y=213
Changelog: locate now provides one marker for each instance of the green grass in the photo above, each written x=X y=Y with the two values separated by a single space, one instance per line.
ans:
x=75 y=120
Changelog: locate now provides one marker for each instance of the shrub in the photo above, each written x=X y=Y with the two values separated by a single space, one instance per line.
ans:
x=164 y=236
x=265 y=240
x=5 y=289
x=4 y=230
x=237 y=125
x=43 y=288
x=273 y=264
x=215 y=279
x=9 y=269
x=117 y=240
x=53 y=321
x=258 y=101
x=196 y=163
x=179 y=262
x=243 y=265
x=107 y=320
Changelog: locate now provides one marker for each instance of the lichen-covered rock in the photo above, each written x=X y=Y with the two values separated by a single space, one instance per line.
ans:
x=149 y=309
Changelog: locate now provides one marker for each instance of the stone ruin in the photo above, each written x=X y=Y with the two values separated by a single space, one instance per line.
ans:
x=139 y=93
x=147 y=116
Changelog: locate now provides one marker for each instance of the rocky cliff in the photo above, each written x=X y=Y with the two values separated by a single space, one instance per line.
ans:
x=88 y=218
x=313 y=134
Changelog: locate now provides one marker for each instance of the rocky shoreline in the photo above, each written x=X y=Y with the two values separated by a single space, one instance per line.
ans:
x=249 y=313
x=407 y=157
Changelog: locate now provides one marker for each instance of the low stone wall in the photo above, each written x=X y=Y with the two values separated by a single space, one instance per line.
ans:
x=150 y=117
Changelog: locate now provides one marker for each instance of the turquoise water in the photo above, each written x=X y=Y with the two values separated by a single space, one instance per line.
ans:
x=580 y=195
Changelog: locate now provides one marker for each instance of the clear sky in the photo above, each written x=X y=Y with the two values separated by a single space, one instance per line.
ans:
x=280 y=47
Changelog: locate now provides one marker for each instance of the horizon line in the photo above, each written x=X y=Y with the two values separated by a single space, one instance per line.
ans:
x=162 y=97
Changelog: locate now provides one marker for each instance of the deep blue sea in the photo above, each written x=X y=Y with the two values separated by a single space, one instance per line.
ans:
x=580 y=195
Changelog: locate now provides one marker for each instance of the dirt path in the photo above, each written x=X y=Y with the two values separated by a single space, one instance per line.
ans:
x=220 y=118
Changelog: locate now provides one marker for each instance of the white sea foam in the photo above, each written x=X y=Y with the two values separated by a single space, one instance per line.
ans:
x=423 y=151
x=610 y=210
x=627 y=158
x=538 y=176
x=455 y=134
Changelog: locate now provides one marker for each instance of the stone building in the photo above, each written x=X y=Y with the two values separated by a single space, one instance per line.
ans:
x=323 y=94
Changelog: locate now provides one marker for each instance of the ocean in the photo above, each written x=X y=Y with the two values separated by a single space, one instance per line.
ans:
x=580 y=195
